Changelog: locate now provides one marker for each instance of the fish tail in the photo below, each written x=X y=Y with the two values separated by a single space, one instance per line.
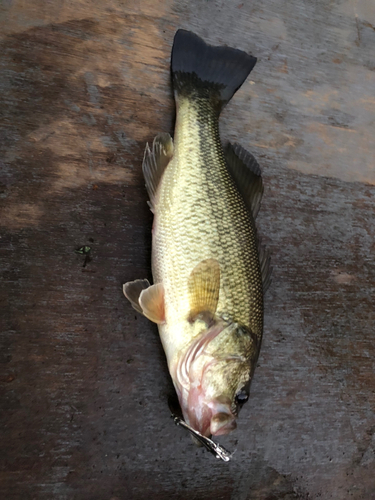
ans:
x=200 y=70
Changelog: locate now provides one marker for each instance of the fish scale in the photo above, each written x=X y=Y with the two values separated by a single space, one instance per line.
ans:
x=200 y=214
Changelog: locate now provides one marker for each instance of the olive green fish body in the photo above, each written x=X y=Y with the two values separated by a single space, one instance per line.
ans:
x=199 y=215
x=209 y=278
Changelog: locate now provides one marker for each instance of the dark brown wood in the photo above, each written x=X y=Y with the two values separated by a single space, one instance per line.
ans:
x=84 y=415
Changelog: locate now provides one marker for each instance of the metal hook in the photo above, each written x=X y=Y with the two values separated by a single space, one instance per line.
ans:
x=214 y=448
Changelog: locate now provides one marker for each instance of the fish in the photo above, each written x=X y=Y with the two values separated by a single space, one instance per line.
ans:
x=209 y=268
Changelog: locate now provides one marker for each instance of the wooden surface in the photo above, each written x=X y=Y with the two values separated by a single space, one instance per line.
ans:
x=83 y=86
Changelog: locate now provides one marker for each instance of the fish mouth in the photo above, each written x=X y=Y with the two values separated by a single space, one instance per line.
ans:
x=211 y=416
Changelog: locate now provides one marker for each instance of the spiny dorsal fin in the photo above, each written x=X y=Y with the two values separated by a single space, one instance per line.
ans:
x=265 y=266
x=246 y=174
x=132 y=291
x=151 y=301
x=204 y=287
x=155 y=162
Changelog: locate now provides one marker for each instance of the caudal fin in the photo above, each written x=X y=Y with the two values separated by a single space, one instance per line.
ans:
x=201 y=70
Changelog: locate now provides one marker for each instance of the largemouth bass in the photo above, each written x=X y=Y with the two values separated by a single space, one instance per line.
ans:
x=209 y=270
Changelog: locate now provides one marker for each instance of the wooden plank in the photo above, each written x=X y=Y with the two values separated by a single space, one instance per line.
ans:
x=84 y=382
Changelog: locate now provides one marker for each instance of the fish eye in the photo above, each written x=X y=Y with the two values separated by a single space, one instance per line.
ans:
x=242 y=397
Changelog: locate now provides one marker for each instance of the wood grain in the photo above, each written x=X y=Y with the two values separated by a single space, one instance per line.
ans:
x=83 y=86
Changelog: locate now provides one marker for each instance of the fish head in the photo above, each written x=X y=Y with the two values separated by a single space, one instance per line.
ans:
x=213 y=376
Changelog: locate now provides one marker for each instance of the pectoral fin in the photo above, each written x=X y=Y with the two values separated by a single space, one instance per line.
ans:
x=151 y=301
x=204 y=287
x=146 y=299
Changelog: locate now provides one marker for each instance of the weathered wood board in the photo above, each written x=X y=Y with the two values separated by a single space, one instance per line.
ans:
x=83 y=86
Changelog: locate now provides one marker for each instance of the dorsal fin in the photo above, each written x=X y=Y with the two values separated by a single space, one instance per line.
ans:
x=132 y=290
x=204 y=287
x=155 y=162
x=246 y=173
